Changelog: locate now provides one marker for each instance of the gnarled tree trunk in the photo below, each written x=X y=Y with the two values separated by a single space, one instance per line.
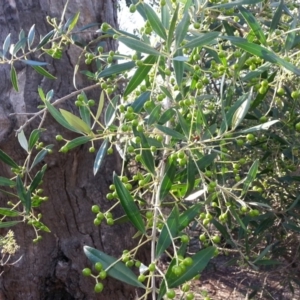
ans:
x=51 y=269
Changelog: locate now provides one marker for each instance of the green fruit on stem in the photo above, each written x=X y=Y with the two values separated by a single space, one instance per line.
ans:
x=98 y=287
x=86 y=272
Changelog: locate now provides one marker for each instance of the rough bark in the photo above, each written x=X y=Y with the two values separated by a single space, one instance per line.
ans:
x=52 y=268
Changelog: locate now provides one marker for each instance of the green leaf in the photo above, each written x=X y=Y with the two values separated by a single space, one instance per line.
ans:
x=202 y=40
x=140 y=9
x=254 y=25
x=77 y=142
x=6 y=182
x=14 y=78
x=33 y=62
x=75 y=122
x=6 y=45
x=128 y=204
x=262 y=53
x=37 y=179
x=100 y=107
x=59 y=118
x=188 y=216
x=100 y=156
x=241 y=111
x=165 y=16
x=19 y=45
x=23 y=140
x=34 y=137
x=138 y=46
x=31 y=35
x=166 y=116
x=166 y=92
x=178 y=67
x=8 y=224
x=8 y=212
x=140 y=74
x=155 y=22
x=290 y=39
x=237 y=218
x=23 y=195
x=183 y=124
x=147 y=157
x=171 y=132
x=168 y=179
x=250 y=177
x=264 y=126
x=84 y=110
x=172 y=28
x=168 y=232
x=8 y=160
x=71 y=23
x=139 y=102
x=110 y=113
x=114 y=269
x=40 y=156
x=43 y=72
x=191 y=171
x=200 y=260
x=41 y=94
x=234 y=3
x=277 y=16
x=45 y=39
x=155 y=115
x=263 y=253
x=116 y=69
x=182 y=28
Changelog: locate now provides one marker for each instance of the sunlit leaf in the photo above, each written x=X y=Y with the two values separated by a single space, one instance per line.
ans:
x=77 y=142
x=8 y=212
x=100 y=107
x=155 y=22
x=128 y=204
x=114 y=268
x=100 y=156
x=172 y=27
x=264 y=126
x=23 y=140
x=6 y=45
x=140 y=74
x=165 y=16
x=277 y=16
x=33 y=62
x=178 y=67
x=234 y=3
x=31 y=35
x=71 y=23
x=75 y=122
x=8 y=224
x=290 y=38
x=181 y=29
x=168 y=232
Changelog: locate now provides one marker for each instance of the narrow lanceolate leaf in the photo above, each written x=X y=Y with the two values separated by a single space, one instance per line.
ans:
x=183 y=124
x=181 y=29
x=23 y=140
x=166 y=116
x=138 y=46
x=114 y=269
x=116 y=69
x=84 y=110
x=172 y=27
x=18 y=46
x=100 y=156
x=128 y=204
x=59 y=118
x=289 y=42
x=140 y=74
x=40 y=156
x=14 y=78
x=254 y=25
x=110 y=112
x=155 y=115
x=264 y=126
x=37 y=179
x=8 y=160
x=191 y=171
x=75 y=122
x=241 y=111
x=6 y=45
x=188 y=216
x=8 y=212
x=71 y=23
x=23 y=195
x=8 y=224
x=168 y=179
x=100 y=106
x=147 y=156
x=168 y=232
x=155 y=22
x=277 y=16
x=235 y=3
x=31 y=35
x=178 y=67
x=171 y=132
x=202 y=40
x=43 y=72
x=77 y=142
x=165 y=16
x=33 y=62
x=45 y=39
x=200 y=261
x=139 y=102
x=262 y=53
x=250 y=177
x=6 y=182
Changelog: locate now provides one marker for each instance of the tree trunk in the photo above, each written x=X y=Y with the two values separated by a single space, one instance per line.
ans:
x=51 y=269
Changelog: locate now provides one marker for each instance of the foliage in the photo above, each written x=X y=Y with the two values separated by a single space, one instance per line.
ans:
x=207 y=127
